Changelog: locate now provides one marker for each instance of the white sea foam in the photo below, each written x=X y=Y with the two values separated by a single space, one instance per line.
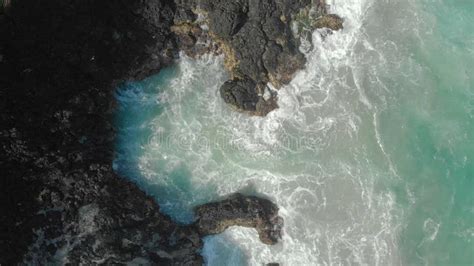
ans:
x=307 y=155
x=333 y=215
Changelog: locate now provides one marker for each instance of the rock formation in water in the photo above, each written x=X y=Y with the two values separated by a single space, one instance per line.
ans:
x=240 y=210
x=257 y=39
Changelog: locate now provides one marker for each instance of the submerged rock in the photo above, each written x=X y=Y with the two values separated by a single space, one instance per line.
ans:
x=240 y=210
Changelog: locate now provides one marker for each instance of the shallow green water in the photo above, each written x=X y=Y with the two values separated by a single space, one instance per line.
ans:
x=370 y=155
x=429 y=134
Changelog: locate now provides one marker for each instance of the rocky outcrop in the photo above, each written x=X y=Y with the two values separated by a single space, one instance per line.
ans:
x=259 y=44
x=240 y=210
x=60 y=62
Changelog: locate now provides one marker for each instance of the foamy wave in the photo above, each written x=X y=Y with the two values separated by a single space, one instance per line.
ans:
x=307 y=155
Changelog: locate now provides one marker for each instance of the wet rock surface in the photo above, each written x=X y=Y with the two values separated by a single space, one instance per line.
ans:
x=60 y=62
x=241 y=93
x=240 y=210
x=259 y=45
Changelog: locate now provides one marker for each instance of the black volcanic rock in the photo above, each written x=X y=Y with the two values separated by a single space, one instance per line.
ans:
x=227 y=18
x=240 y=93
x=259 y=46
x=258 y=42
x=240 y=210
x=61 y=201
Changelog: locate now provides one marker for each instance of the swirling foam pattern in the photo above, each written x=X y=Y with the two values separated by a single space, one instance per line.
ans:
x=369 y=155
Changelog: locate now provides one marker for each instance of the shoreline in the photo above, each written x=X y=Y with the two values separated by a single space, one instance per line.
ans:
x=65 y=202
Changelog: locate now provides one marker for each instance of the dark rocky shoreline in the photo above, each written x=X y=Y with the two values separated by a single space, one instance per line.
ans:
x=60 y=62
x=258 y=42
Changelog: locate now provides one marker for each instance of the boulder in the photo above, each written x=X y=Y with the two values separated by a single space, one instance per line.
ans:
x=239 y=210
x=241 y=94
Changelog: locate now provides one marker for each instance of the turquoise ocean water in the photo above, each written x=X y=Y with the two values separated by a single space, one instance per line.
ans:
x=370 y=155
